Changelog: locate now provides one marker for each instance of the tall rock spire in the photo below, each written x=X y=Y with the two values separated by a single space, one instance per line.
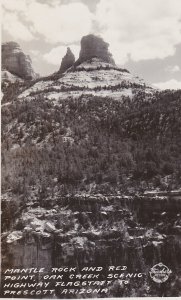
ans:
x=67 y=61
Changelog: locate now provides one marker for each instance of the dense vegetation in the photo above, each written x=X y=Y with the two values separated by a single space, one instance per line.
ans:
x=53 y=151
x=92 y=144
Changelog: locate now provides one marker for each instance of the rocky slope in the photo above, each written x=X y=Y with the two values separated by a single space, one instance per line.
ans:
x=16 y=63
x=94 y=73
x=93 y=77
x=89 y=160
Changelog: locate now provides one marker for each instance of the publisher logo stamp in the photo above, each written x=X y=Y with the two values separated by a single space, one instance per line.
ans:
x=160 y=273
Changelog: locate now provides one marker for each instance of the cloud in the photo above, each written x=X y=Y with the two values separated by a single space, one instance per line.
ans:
x=34 y=52
x=139 y=28
x=56 y=54
x=56 y=23
x=174 y=69
x=16 y=28
x=170 y=84
x=12 y=5
x=65 y=23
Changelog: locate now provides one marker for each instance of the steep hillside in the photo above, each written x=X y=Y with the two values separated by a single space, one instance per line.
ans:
x=81 y=152
x=74 y=176
x=92 y=139
x=92 y=77
x=94 y=128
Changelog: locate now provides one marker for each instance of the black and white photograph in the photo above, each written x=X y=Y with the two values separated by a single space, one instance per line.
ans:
x=90 y=149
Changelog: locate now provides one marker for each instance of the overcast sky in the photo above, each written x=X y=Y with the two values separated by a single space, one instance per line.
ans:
x=144 y=35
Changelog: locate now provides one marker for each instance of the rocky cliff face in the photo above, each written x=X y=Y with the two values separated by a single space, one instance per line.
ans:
x=16 y=62
x=67 y=61
x=100 y=231
x=94 y=46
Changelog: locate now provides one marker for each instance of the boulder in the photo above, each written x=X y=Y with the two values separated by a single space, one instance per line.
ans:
x=14 y=236
x=49 y=227
x=37 y=225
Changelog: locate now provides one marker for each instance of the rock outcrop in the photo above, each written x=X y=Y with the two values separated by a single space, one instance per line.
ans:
x=67 y=61
x=96 y=230
x=94 y=46
x=7 y=76
x=16 y=62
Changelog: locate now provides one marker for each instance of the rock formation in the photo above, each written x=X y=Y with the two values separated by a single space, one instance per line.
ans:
x=97 y=231
x=16 y=62
x=7 y=76
x=94 y=46
x=67 y=61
